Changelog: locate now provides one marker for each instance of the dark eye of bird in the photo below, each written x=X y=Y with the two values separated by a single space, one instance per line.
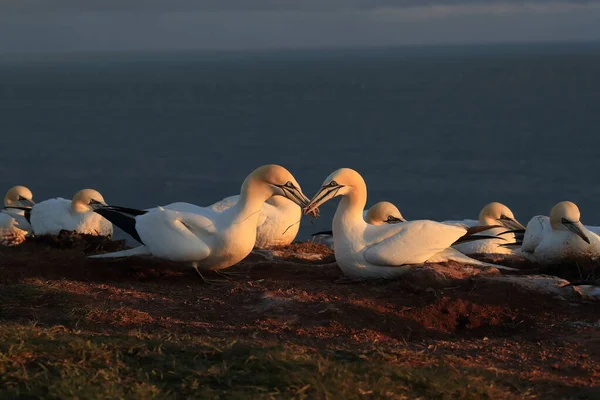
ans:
x=290 y=185
x=22 y=198
x=391 y=218
x=333 y=184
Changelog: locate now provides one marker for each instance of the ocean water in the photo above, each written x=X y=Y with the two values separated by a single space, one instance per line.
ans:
x=439 y=131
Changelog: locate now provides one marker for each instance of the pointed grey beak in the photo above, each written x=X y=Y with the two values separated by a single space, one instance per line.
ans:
x=27 y=203
x=326 y=193
x=394 y=220
x=577 y=228
x=295 y=195
x=510 y=223
x=94 y=204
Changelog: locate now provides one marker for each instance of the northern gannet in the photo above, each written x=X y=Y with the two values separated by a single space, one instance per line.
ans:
x=13 y=224
x=367 y=251
x=493 y=214
x=210 y=240
x=54 y=215
x=380 y=213
x=278 y=222
x=560 y=238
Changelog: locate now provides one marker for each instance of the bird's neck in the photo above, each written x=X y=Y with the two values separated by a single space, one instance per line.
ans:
x=349 y=214
x=252 y=197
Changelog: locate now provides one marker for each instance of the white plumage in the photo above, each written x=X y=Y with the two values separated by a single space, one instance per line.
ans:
x=380 y=251
x=14 y=227
x=54 y=215
x=210 y=240
x=560 y=237
x=492 y=214
x=278 y=222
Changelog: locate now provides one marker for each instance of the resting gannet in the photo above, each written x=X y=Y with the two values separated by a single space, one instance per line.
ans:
x=54 y=215
x=493 y=214
x=380 y=213
x=562 y=237
x=13 y=224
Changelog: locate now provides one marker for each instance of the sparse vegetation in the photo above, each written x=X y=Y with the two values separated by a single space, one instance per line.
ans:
x=141 y=329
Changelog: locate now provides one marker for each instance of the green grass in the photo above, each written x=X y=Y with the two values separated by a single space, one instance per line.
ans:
x=38 y=362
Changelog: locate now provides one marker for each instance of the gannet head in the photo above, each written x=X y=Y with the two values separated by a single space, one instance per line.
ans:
x=274 y=180
x=339 y=183
x=384 y=212
x=565 y=215
x=497 y=213
x=87 y=200
x=18 y=196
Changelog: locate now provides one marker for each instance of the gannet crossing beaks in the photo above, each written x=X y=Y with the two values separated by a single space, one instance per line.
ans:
x=367 y=251
x=208 y=239
x=328 y=191
x=293 y=193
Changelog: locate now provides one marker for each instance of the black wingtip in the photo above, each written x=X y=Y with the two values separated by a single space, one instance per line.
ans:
x=126 y=210
x=124 y=220
x=472 y=238
x=26 y=214
x=330 y=233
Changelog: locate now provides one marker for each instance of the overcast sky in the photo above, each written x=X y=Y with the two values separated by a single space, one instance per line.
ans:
x=107 y=25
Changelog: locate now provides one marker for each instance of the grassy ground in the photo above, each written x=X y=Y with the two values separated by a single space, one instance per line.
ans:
x=57 y=362
x=141 y=329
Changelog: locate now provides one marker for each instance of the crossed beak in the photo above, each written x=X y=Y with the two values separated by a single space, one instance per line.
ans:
x=577 y=228
x=511 y=224
x=295 y=195
x=326 y=193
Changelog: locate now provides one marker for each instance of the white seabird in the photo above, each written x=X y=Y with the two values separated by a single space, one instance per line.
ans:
x=493 y=214
x=380 y=213
x=208 y=239
x=560 y=238
x=278 y=223
x=13 y=224
x=54 y=215
x=367 y=251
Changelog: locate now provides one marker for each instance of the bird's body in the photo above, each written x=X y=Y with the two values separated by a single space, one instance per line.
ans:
x=493 y=214
x=14 y=227
x=51 y=216
x=210 y=240
x=560 y=237
x=366 y=251
x=380 y=213
x=278 y=222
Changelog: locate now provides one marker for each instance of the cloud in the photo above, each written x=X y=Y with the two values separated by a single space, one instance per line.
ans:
x=57 y=6
x=66 y=25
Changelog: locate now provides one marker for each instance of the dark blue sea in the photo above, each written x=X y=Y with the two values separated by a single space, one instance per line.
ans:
x=439 y=131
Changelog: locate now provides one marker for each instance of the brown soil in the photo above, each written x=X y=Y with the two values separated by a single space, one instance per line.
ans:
x=549 y=343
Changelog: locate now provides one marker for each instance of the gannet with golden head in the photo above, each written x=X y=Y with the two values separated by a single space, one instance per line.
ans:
x=380 y=213
x=278 y=223
x=562 y=237
x=367 y=251
x=493 y=214
x=209 y=240
x=13 y=224
x=54 y=215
